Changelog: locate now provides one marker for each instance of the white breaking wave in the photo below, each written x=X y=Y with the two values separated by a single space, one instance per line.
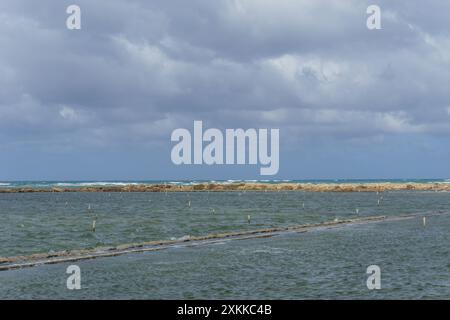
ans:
x=90 y=184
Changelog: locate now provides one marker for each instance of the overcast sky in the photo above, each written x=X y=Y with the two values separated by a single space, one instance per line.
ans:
x=101 y=102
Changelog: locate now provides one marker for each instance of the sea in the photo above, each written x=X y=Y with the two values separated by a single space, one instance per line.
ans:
x=413 y=256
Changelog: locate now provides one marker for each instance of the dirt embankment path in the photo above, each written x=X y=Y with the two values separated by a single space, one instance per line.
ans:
x=267 y=187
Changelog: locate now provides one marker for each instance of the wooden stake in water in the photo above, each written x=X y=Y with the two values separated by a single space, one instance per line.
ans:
x=94 y=224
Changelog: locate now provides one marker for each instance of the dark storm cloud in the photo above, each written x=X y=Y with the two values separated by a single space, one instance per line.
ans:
x=139 y=69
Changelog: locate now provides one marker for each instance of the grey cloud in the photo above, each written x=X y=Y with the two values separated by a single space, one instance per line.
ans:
x=141 y=68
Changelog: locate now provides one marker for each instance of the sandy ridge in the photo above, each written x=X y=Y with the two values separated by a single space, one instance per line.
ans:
x=247 y=186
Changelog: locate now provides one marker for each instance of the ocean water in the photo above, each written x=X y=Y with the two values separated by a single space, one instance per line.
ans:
x=414 y=260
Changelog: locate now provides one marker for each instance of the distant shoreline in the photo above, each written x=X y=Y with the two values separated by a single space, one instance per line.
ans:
x=244 y=186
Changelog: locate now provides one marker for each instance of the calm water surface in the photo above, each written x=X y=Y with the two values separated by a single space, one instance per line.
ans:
x=415 y=261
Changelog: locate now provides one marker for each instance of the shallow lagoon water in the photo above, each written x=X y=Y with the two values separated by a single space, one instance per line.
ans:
x=414 y=261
